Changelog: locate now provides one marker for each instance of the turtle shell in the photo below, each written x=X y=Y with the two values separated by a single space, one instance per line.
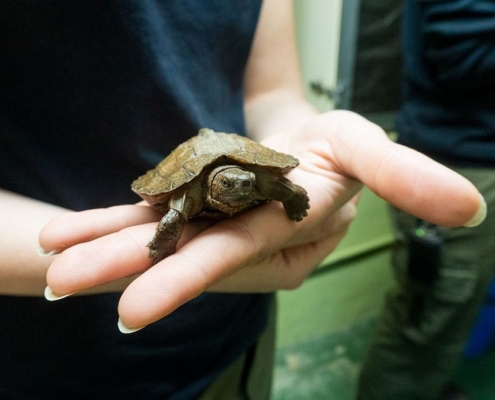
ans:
x=206 y=149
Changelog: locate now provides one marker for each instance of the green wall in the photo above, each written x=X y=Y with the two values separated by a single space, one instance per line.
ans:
x=349 y=285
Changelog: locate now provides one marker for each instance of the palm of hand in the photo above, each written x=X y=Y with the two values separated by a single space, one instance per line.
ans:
x=261 y=250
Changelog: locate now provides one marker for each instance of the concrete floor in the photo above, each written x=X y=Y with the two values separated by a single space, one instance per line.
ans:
x=324 y=328
x=327 y=367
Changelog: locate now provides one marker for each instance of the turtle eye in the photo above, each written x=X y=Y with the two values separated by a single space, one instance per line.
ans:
x=226 y=183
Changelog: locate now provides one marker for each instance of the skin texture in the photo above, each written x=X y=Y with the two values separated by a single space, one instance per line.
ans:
x=259 y=251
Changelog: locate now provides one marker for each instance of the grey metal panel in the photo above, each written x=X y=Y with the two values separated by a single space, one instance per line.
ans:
x=347 y=53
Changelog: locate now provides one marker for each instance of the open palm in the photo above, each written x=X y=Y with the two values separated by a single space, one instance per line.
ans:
x=261 y=250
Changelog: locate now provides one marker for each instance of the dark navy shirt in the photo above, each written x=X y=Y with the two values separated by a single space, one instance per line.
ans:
x=92 y=95
x=448 y=107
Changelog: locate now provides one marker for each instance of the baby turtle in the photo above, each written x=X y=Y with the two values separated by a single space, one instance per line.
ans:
x=217 y=175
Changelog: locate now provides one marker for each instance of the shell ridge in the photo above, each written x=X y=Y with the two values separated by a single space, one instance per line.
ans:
x=190 y=159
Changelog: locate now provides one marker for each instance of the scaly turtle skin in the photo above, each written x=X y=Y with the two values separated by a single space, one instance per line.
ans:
x=217 y=175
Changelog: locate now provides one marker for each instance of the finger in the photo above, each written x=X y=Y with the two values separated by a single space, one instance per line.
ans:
x=76 y=227
x=325 y=226
x=424 y=188
x=179 y=279
x=109 y=258
x=101 y=261
x=207 y=260
x=405 y=178
x=284 y=270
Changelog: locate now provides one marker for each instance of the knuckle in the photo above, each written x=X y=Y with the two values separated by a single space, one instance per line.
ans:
x=292 y=282
x=295 y=272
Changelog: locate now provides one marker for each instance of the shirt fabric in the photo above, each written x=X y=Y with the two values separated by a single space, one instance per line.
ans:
x=95 y=93
x=448 y=109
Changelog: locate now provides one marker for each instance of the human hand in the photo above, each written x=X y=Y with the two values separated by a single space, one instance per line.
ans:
x=261 y=250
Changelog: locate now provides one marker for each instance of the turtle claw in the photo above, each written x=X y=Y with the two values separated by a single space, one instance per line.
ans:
x=299 y=216
x=159 y=252
x=296 y=207
x=154 y=253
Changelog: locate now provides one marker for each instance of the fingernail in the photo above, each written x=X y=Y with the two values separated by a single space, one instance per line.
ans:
x=351 y=210
x=125 y=329
x=43 y=253
x=480 y=215
x=49 y=295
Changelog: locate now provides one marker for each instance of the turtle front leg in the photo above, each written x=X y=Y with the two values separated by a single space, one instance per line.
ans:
x=167 y=234
x=294 y=198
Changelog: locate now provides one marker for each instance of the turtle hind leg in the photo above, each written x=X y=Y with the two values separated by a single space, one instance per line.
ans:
x=167 y=234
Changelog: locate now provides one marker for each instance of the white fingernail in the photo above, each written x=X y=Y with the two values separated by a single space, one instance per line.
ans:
x=125 y=329
x=351 y=210
x=43 y=253
x=480 y=215
x=49 y=295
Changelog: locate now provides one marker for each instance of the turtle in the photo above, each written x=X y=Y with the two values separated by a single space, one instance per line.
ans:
x=217 y=175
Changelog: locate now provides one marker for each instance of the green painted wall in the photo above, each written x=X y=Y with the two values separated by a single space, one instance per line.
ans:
x=350 y=284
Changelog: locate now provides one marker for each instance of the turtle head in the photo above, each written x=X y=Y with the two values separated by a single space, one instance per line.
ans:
x=230 y=189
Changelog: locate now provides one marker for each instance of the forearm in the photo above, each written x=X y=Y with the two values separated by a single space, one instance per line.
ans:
x=277 y=111
x=22 y=270
x=274 y=95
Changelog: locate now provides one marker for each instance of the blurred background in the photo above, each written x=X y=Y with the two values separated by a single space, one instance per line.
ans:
x=349 y=53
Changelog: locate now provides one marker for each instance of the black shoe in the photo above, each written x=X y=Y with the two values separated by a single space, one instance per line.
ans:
x=453 y=392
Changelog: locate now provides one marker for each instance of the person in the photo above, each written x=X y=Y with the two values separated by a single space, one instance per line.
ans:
x=93 y=96
x=442 y=275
